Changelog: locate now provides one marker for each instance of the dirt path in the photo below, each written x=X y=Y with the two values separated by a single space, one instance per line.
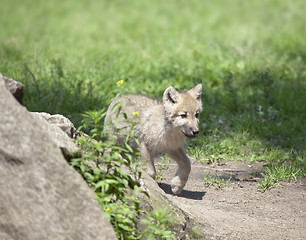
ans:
x=239 y=211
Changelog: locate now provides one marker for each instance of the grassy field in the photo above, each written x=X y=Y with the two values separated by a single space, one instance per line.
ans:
x=250 y=57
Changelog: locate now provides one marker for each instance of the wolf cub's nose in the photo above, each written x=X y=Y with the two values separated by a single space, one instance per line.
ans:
x=195 y=132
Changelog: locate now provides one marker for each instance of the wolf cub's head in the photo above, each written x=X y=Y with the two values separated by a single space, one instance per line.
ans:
x=182 y=110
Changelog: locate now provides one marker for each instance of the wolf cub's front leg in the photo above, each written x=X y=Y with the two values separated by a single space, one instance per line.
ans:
x=183 y=170
x=149 y=159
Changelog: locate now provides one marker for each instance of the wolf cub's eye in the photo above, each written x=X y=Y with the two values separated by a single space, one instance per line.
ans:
x=197 y=115
x=184 y=115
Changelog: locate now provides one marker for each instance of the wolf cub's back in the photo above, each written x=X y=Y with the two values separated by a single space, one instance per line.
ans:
x=127 y=110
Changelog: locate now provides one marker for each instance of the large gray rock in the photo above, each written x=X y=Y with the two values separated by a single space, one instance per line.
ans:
x=16 y=88
x=41 y=196
x=60 y=121
x=58 y=131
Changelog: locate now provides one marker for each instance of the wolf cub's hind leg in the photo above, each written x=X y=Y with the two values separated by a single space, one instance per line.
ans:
x=149 y=159
x=183 y=170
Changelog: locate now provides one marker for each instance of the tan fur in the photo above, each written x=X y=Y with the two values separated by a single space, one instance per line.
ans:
x=161 y=126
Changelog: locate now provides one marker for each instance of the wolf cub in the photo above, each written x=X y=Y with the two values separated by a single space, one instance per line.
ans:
x=162 y=126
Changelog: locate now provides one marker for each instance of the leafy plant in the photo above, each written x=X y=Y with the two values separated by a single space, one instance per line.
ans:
x=195 y=233
x=111 y=171
x=114 y=180
x=157 y=225
x=92 y=123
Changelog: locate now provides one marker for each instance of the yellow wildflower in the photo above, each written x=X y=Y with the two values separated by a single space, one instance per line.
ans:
x=107 y=209
x=135 y=113
x=119 y=83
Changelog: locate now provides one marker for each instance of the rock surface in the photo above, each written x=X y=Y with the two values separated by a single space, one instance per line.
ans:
x=60 y=121
x=16 y=88
x=58 y=132
x=159 y=200
x=41 y=196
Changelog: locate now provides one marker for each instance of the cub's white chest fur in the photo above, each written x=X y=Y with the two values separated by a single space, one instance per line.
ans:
x=174 y=139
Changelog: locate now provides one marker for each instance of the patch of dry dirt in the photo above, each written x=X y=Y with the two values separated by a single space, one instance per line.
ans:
x=239 y=210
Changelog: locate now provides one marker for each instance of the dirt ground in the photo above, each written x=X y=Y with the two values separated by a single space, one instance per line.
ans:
x=239 y=210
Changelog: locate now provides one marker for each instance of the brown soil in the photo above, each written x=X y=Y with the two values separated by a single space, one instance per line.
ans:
x=239 y=210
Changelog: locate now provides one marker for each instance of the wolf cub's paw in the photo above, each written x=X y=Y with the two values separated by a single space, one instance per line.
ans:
x=177 y=185
x=176 y=189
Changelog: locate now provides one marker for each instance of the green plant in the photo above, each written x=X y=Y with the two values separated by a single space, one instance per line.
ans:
x=159 y=175
x=157 y=225
x=216 y=181
x=268 y=183
x=92 y=123
x=195 y=233
x=111 y=171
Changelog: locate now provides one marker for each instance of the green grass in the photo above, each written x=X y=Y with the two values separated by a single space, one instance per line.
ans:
x=216 y=181
x=249 y=55
x=277 y=173
x=162 y=164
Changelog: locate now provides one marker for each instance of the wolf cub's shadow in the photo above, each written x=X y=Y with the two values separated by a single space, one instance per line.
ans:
x=195 y=195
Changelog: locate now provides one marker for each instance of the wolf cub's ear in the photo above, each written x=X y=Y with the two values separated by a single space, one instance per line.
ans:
x=196 y=91
x=170 y=94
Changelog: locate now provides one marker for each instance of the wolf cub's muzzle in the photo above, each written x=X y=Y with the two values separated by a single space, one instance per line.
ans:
x=190 y=133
